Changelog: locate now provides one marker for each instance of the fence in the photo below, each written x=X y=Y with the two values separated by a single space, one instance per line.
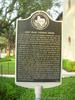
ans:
x=7 y=68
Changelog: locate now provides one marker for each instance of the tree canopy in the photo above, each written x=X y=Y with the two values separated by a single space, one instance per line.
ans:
x=11 y=10
x=26 y=7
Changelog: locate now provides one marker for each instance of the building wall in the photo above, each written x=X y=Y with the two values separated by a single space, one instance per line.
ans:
x=69 y=30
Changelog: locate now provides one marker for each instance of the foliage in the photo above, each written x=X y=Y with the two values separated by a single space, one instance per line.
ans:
x=3 y=42
x=9 y=91
x=69 y=65
x=6 y=20
x=7 y=27
x=21 y=8
x=17 y=9
x=26 y=7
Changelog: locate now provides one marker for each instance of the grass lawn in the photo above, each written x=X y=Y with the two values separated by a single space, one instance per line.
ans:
x=9 y=91
x=7 y=65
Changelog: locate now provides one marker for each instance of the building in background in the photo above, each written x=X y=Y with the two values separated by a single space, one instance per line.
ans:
x=69 y=30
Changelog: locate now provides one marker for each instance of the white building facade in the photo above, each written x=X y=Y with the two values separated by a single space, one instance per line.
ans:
x=68 y=47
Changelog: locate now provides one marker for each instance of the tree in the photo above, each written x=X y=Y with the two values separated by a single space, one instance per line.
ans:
x=21 y=8
x=18 y=8
x=12 y=42
x=8 y=32
x=3 y=44
x=7 y=27
x=26 y=7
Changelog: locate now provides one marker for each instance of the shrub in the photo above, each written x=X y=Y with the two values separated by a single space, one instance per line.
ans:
x=10 y=58
x=68 y=65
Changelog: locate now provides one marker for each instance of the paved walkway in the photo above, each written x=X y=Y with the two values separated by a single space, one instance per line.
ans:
x=12 y=76
x=67 y=74
x=64 y=74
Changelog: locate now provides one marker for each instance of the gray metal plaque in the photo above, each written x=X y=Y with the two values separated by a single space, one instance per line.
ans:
x=38 y=56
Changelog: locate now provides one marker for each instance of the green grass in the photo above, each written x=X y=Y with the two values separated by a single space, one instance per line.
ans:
x=9 y=91
x=69 y=65
x=7 y=65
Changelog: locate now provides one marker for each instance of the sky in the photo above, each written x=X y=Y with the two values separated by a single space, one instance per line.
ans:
x=6 y=5
x=56 y=10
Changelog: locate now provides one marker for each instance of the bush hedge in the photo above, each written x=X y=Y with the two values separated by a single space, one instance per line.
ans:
x=10 y=58
x=68 y=65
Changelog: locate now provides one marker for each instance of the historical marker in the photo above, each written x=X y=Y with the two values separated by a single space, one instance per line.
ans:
x=38 y=52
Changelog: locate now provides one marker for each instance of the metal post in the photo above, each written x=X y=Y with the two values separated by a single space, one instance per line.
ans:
x=38 y=92
x=1 y=69
x=8 y=68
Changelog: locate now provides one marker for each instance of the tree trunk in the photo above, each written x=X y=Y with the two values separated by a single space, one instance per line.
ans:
x=14 y=51
x=8 y=48
x=0 y=53
x=5 y=50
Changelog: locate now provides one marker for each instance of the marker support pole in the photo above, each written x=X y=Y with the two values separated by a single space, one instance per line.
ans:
x=38 y=92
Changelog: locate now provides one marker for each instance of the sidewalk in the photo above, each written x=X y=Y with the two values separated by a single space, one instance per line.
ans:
x=67 y=74
x=12 y=76
x=64 y=74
